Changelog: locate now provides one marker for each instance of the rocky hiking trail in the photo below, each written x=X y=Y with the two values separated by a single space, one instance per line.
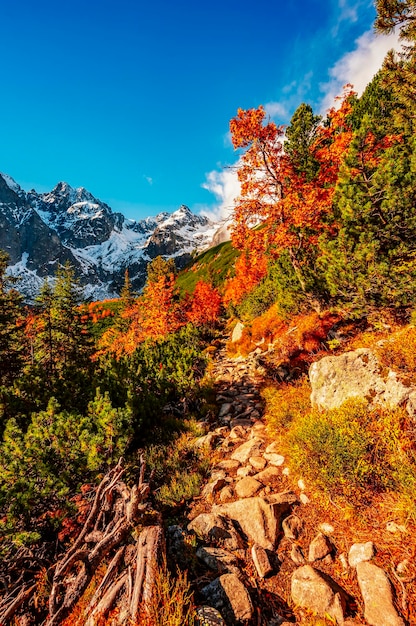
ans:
x=258 y=546
x=266 y=553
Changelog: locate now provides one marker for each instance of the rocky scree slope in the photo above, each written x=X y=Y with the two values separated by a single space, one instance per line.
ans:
x=41 y=231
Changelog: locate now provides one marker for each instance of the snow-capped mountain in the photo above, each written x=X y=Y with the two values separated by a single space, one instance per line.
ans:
x=41 y=231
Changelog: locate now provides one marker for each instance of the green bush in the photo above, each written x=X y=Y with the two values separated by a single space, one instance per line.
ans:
x=158 y=373
x=332 y=449
x=280 y=286
x=178 y=469
x=285 y=404
x=41 y=467
x=353 y=451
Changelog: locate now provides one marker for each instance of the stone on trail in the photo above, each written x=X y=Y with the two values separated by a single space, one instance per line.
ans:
x=259 y=518
x=261 y=561
x=320 y=547
x=247 y=487
x=258 y=462
x=227 y=494
x=224 y=409
x=208 y=616
x=274 y=448
x=360 y=552
x=377 y=594
x=216 y=529
x=212 y=488
x=268 y=476
x=228 y=465
x=218 y=560
x=292 y=527
x=275 y=459
x=296 y=555
x=246 y=450
x=228 y=594
x=319 y=594
x=247 y=470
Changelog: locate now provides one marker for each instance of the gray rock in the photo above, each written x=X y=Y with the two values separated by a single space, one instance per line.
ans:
x=268 y=476
x=292 y=527
x=218 y=560
x=296 y=555
x=224 y=409
x=241 y=422
x=228 y=594
x=258 y=462
x=360 y=552
x=216 y=529
x=208 y=616
x=228 y=465
x=246 y=450
x=319 y=594
x=258 y=518
x=357 y=374
x=247 y=487
x=237 y=332
x=377 y=595
x=320 y=547
x=261 y=561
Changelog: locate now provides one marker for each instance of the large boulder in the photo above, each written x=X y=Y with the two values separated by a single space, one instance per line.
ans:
x=357 y=374
x=216 y=529
x=228 y=594
x=318 y=593
x=259 y=518
x=377 y=595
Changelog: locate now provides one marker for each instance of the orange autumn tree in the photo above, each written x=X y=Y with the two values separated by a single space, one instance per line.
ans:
x=153 y=315
x=204 y=306
x=250 y=268
x=293 y=205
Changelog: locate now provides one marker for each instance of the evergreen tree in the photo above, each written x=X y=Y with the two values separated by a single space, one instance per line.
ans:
x=372 y=261
x=159 y=268
x=63 y=344
x=301 y=134
x=126 y=295
x=11 y=327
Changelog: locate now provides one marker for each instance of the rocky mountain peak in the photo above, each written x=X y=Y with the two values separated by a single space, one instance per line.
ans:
x=70 y=223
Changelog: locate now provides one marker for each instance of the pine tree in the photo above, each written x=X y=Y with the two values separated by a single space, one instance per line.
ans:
x=11 y=327
x=372 y=260
x=126 y=294
x=63 y=344
x=301 y=135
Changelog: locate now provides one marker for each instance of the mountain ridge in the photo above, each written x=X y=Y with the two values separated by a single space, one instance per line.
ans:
x=39 y=231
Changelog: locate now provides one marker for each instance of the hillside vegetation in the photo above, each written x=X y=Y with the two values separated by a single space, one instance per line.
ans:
x=322 y=260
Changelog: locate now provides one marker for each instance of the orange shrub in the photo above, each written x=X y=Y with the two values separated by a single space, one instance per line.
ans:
x=250 y=268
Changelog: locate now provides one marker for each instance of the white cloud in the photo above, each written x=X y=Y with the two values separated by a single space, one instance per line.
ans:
x=148 y=179
x=358 y=66
x=276 y=109
x=225 y=186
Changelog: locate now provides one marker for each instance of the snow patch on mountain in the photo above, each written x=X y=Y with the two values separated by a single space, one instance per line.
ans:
x=12 y=184
x=71 y=224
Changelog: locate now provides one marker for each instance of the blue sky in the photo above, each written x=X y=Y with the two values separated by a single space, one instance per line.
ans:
x=132 y=99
